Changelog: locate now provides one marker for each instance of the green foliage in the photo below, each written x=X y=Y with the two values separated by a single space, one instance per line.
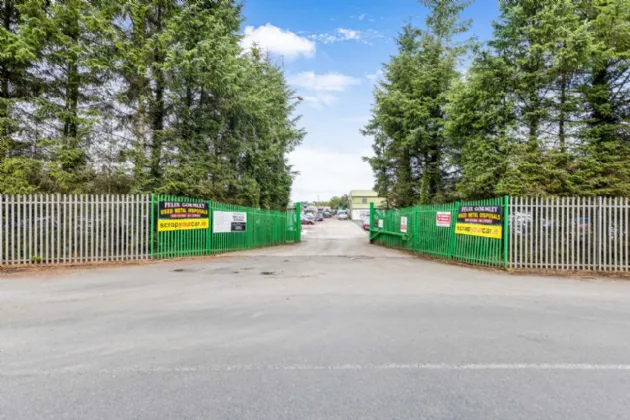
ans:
x=544 y=108
x=19 y=40
x=602 y=166
x=335 y=202
x=481 y=121
x=135 y=96
x=408 y=116
x=19 y=175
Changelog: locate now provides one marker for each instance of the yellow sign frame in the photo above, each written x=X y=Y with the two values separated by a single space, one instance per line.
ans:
x=487 y=231
x=169 y=225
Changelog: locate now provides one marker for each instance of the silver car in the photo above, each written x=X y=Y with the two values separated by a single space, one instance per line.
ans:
x=342 y=215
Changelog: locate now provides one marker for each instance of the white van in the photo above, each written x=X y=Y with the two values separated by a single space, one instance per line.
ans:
x=342 y=215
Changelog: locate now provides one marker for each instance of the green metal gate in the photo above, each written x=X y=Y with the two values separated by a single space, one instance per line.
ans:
x=178 y=243
x=431 y=230
x=263 y=228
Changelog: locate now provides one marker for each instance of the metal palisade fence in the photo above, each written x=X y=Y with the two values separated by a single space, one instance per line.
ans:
x=71 y=229
x=570 y=233
x=551 y=233
x=76 y=229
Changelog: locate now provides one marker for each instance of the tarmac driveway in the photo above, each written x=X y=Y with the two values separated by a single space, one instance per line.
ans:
x=333 y=328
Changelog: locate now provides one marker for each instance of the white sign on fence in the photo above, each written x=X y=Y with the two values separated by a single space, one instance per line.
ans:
x=443 y=219
x=360 y=214
x=380 y=223
x=403 y=224
x=229 y=221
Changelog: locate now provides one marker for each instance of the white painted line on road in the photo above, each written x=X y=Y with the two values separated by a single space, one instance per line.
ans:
x=395 y=366
x=339 y=367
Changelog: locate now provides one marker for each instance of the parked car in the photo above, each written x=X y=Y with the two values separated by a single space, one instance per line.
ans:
x=342 y=215
x=319 y=216
x=366 y=224
x=327 y=214
x=307 y=219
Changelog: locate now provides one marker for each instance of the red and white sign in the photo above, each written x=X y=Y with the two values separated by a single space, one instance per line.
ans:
x=403 y=224
x=443 y=219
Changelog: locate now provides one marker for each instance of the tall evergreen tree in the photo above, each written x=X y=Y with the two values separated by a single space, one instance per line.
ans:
x=480 y=127
x=519 y=106
x=75 y=63
x=201 y=68
x=144 y=46
x=272 y=131
x=569 y=42
x=20 y=42
x=410 y=103
x=395 y=118
x=519 y=39
x=231 y=112
x=603 y=164
x=145 y=95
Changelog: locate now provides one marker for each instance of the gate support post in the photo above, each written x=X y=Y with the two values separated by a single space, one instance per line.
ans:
x=451 y=248
x=506 y=226
x=152 y=226
x=209 y=230
x=416 y=228
x=371 y=220
x=298 y=222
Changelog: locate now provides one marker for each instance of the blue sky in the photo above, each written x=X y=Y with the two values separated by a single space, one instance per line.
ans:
x=332 y=52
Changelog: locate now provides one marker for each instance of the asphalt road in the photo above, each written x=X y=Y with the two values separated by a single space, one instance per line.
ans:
x=330 y=329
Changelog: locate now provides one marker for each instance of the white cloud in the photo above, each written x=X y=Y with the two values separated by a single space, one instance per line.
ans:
x=320 y=100
x=361 y=17
x=344 y=34
x=376 y=76
x=330 y=82
x=329 y=173
x=278 y=41
x=348 y=34
x=318 y=87
x=324 y=38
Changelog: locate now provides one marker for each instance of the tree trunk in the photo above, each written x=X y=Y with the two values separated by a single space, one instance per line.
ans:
x=70 y=118
x=601 y=114
x=405 y=184
x=533 y=123
x=430 y=178
x=6 y=75
x=562 y=116
x=157 y=123
x=70 y=126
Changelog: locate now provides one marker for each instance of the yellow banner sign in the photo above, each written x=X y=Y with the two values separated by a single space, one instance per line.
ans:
x=184 y=224
x=490 y=231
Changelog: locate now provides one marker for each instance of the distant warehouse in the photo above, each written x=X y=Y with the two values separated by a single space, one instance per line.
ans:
x=359 y=204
